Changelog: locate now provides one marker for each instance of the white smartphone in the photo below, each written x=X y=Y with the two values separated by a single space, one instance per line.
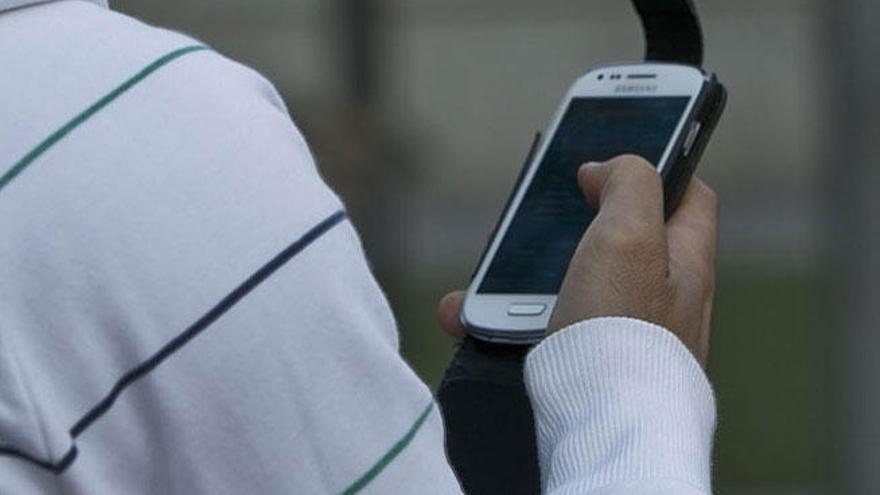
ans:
x=662 y=112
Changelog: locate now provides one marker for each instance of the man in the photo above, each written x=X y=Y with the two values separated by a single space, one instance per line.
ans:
x=185 y=309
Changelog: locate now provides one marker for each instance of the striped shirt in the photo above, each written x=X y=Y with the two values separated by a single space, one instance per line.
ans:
x=185 y=308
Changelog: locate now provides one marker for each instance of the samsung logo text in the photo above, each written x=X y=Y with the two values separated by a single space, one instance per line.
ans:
x=635 y=88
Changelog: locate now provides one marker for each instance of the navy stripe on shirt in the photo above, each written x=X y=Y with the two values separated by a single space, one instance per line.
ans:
x=176 y=344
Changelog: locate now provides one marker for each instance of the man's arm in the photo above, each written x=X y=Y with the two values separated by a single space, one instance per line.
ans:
x=621 y=407
x=185 y=307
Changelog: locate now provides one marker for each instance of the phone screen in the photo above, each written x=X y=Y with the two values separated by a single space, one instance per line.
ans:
x=553 y=215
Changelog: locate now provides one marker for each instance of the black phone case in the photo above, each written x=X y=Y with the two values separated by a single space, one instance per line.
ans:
x=487 y=415
x=707 y=111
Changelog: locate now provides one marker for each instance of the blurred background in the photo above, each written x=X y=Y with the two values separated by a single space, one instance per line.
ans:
x=420 y=113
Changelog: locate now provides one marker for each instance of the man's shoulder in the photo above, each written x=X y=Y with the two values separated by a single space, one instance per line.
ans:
x=99 y=75
x=123 y=128
x=76 y=33
x=89 y=46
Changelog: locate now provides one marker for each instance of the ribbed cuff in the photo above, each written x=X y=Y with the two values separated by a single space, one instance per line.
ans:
x=618 y=400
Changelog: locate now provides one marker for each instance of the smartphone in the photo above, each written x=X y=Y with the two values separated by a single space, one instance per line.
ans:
x=661 y=111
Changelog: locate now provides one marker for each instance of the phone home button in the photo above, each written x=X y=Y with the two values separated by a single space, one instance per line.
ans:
x=524 y=309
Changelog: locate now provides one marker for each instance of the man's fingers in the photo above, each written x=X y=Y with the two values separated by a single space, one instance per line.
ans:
x=692 y=233
x=693 y=228
x=626 y=189
x=448 y=312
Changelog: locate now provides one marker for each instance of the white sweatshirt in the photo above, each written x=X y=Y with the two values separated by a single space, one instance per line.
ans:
x=185 y=309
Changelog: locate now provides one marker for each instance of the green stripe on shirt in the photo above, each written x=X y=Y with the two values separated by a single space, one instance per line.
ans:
x=83 y=116
x=389 y=456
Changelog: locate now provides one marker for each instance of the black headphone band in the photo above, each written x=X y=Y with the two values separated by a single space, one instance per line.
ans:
x=672 y=31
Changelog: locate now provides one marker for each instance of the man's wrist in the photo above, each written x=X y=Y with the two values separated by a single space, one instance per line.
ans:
x=618 y=398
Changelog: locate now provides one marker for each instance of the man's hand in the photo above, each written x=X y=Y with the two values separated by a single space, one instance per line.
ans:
x=629 y=263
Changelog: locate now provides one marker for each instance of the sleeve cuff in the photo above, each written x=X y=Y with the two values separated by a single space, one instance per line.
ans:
x=618 y=400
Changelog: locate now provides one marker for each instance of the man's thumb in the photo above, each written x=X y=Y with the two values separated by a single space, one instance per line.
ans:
x=626 y=186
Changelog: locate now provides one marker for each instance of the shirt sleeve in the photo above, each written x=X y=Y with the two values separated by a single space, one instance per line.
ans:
x=188 y=308
x=621 y=407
